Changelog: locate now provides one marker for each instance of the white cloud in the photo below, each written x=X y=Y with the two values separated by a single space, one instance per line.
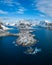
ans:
x=21 y=10
x=42 y=15
x=9 y=2
x=8 y=19
x=3 y=12
x=44 y=6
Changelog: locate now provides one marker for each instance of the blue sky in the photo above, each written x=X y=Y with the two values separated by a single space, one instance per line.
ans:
x=12 y=10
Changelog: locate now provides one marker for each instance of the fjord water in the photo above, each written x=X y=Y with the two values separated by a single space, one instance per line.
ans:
x=10 y=54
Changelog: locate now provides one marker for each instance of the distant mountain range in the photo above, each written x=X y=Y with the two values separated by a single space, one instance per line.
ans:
x=44 y=23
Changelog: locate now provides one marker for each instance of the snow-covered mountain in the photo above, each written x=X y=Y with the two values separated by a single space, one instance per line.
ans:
x=3 y=27
x=31 y=22
x=45 y=23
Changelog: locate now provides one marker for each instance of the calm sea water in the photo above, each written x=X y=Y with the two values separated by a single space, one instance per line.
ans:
x=10 y=54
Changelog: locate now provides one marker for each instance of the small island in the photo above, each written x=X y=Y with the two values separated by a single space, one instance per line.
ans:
x=25 y=38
